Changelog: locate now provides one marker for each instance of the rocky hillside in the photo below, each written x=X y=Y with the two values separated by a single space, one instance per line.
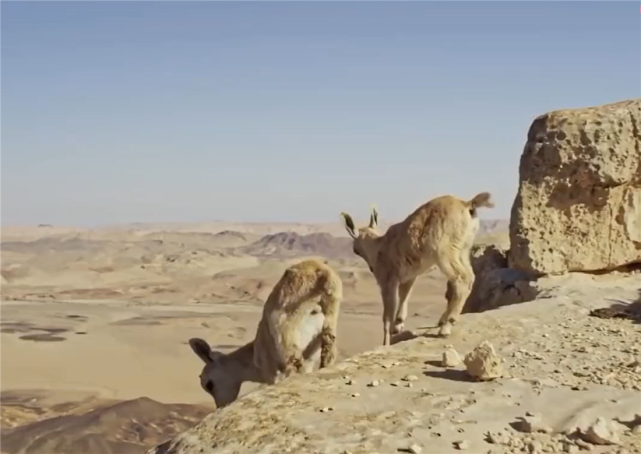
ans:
x=118 y=428
x=291 y=244
x=401 y=398
x=561 y=371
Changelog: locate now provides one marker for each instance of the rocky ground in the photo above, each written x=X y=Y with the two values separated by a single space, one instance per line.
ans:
x=567 y=382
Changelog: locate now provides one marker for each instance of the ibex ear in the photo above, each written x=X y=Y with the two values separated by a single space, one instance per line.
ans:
x=348 y=222
x=202 y=349
x=373 y=218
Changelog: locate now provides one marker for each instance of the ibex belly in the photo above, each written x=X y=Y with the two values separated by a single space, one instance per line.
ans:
x=309 y=332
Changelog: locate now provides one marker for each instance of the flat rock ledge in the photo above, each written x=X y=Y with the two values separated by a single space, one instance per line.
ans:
x=563 y=370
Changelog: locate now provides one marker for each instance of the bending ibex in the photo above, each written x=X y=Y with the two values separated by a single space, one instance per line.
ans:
x=296 y=333
x=438 y=233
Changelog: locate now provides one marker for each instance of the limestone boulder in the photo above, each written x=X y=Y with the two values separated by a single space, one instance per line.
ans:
x=496 y=285
x=578 y=206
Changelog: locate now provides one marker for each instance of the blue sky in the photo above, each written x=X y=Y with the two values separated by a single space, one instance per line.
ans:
x=280 y=111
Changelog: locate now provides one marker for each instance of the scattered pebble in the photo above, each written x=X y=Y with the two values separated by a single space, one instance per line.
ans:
x=326 y=409
x=483 y=363
x=461 y=444
x=415 y=449
x=374 y=383
x=356 y=395
x=451 y=358
x=531 y=424
x=410 y=378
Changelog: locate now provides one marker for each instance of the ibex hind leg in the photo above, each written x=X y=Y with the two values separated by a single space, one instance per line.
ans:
x=460 y=277
x=329 y=348
x=293 y=365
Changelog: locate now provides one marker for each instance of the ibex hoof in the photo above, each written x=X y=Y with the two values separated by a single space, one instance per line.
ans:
x=445 y=330
x=398 y=328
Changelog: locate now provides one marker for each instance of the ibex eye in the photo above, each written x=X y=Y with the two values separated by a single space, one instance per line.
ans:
x=209 y=386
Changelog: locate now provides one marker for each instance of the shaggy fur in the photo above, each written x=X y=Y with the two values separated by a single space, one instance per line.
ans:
x=438 y=233
x=297 y=332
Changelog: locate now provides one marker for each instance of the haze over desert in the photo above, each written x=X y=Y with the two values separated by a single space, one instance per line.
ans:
x=320 y=228
x=104 y=315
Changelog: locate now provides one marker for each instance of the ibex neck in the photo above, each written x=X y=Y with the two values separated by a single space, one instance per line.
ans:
x=243 y=363
x=372 y=247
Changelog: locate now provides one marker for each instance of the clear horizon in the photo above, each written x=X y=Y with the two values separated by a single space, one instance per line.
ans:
x=171 y=112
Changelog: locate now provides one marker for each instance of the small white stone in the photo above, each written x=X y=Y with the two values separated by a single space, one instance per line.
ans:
x=410 y=378
x=374 y=383
x=451 y=358
x=355 y=395
x=326 y=409
x=415 y=449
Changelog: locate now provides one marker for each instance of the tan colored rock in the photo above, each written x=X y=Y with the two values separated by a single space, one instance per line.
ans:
x=496 y=285
x=531 y=424
x=483 y=363
x=461 y=445
x=578 y=207
x=451 y=357
x=604 y=432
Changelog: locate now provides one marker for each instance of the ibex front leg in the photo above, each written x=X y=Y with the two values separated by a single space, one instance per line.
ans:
x=404 y=292
x=389 y=292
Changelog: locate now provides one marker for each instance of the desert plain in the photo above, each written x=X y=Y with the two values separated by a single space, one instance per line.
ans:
x=96 y=322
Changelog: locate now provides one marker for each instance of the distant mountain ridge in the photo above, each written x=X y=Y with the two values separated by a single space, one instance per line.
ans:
x=292 y=243
x=126 y=427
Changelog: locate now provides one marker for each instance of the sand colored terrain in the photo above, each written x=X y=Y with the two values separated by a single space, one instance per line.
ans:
x=95 y=322
x=562 y=369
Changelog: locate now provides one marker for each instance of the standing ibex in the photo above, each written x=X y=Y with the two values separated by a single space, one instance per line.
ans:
x=438 y=233
x=297 y=331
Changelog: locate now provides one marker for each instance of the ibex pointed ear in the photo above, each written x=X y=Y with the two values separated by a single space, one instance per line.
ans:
x=348 y=222
x=202 y=349
x=373 y=218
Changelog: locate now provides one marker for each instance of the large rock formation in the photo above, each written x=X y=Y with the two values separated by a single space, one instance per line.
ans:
x=578 y=207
